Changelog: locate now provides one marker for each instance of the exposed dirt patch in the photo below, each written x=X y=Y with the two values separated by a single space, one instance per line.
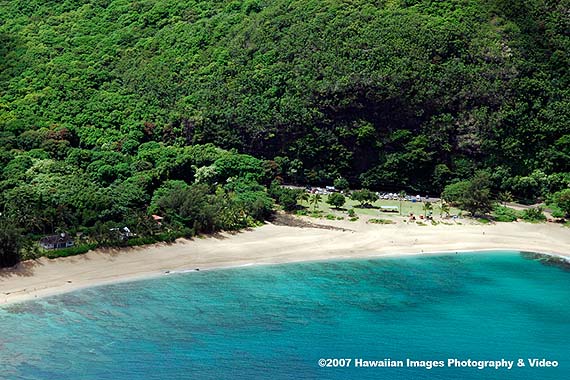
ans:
x=282 y=219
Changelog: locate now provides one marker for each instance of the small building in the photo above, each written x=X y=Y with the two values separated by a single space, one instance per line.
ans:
x=63 y=240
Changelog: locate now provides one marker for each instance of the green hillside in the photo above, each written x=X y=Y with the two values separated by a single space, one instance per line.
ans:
x=401 y=94
x=392 y=93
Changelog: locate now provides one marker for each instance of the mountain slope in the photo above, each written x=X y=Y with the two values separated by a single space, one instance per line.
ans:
x=386 y=93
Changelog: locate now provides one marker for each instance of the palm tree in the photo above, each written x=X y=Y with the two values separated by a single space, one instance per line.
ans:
x=444 y=208
x=401 y=196
x=315 y=200
x=505 y=197
x=143 y=224
x=427 y=207
x=303 y=197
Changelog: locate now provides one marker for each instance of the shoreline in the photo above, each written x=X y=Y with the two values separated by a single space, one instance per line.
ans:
x=269 y=245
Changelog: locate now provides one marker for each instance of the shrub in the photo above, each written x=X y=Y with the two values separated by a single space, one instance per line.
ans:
x=504 y=214
x=380 y=221
x=169 y=236
x=454 y=193
x=341 y=184
x=72 y=251
x=336 y=200
x=288 y=199
x=351 y=213
x=557 y=213
x=365 y=197
x=533 y=214
x=562 y=200
x=133 y=242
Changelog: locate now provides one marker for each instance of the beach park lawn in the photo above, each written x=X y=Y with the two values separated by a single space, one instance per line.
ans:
x=374 y=211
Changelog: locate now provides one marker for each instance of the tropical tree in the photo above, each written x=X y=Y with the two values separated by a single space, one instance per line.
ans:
x=303 y=197
x=476 y=197
x=533 y=214
x=10 y=242
x=401 y=197
x=505 y=197
x=341 y=184
x=315 y=200
x=562 y=200
x=336 y=200
x=427 y=207
x=288 y=199
x=444 y=208
x=142 y=223
x=454 y=192
x=365 y=197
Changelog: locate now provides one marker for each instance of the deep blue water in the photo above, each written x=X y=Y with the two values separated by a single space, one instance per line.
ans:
x=276 y=322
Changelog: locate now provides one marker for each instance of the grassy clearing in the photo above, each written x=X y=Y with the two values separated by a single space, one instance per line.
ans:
x=323 y=210
x=406 y=208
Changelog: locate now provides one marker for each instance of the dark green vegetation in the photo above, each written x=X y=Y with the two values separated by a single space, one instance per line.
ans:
x=336 y=200
x=106 y=106
x=505 y=214
x=561 y=200
x=94 y=193
x=472 y=195
x=364 y=197
x=533 y=214
x=404 y=93
x=10 y=242
x=341 y=184
x=287 y=198
x=380 y=221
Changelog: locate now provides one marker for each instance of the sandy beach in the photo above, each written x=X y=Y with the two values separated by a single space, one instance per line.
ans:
x=272 y=244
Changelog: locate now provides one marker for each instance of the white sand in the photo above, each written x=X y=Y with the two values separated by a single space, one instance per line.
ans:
x=273 y=244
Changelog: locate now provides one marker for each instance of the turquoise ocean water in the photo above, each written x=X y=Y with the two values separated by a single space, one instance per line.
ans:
x=276 y=322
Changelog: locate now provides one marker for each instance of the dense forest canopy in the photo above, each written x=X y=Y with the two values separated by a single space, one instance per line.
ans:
x=180 y=117
x=114 y=110
x=386 y=93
